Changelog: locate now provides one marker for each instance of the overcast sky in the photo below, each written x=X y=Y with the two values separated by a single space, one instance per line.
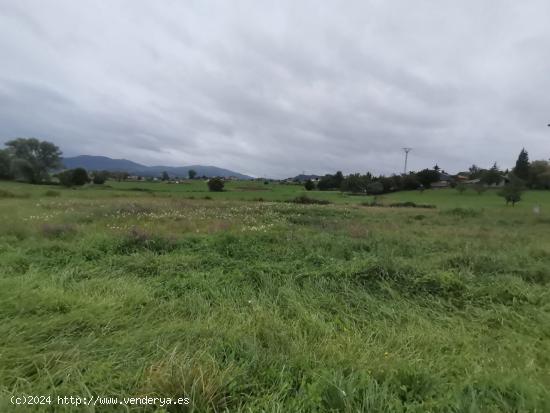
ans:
x=276 y=88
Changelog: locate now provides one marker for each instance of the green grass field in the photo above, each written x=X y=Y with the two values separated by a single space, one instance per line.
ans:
x=246 y=306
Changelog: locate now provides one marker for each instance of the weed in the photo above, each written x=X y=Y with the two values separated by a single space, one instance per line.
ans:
x=57 y=230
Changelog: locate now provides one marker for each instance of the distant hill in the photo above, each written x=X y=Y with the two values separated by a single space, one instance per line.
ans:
x=302 y=177
x=100 y=163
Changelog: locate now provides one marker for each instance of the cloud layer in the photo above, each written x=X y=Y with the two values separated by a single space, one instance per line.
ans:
x=277 y=88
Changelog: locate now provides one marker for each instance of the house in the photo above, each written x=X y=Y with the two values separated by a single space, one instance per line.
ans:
x=444 y=181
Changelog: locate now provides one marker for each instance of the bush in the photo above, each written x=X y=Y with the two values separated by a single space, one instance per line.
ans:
x=461 y=188
x=309 y=185
x=73 y=177
x=215 y=184
x=57 y=230
x=512 y=191
x=137 y=239
x=303 y=199
x=99 y=178
x=9 y=194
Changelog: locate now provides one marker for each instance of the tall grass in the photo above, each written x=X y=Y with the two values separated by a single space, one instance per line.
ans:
x=247 y=306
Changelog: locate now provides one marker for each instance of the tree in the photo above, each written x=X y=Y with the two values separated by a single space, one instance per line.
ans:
x=33 y=158
x=355 y=183
x=192 y=173
x=391 y=183
x=22 y=170
x=538 y=175
x=73 y=177
x=475 y=172
x=80 y=177
x=521 y=169
x=512 y=191
x=427 y=177
x=375 y=188
x=410 y=182
x=338 y=179
x=328 y=181
x=461 y=188
x=5 y=165
x=309 y=185
x=491 y=176
x=120 y=175
x=165 y=176
x=99 y=177
x=215 y=184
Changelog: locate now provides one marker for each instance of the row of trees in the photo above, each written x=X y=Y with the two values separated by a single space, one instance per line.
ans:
x=191 y=174
x=525 y=174
x=370 y=184
x=31 y=160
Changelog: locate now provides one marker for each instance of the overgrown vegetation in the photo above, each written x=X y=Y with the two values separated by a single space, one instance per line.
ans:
x=274 y=306
x=216 y=184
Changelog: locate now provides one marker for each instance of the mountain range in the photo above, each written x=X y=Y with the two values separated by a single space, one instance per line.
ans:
x=104 y=163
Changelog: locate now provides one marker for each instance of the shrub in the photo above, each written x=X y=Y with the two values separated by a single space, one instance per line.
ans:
x=99 y=178
x=372 y=203
x=215 y=184
x=510 y=194
x=73 y=177
x=512 y=191
x=303 y=199
x=461 y=188
x=7 y=194
x=57 y=230
x=309 y=185
x=137 y=239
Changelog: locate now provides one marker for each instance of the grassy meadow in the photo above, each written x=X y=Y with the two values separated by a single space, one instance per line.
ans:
x=245 y=303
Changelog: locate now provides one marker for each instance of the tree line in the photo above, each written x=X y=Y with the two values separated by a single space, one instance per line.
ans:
x=525 y=175
x=32 y=160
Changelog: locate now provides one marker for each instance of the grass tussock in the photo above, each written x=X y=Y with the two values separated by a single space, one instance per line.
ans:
x=5 y=194
x=53 y=231
x=207 y=384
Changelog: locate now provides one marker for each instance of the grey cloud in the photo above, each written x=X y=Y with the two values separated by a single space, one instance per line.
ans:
x=280 y=88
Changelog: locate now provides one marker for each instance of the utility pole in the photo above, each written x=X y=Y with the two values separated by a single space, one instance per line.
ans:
x=406 y=150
